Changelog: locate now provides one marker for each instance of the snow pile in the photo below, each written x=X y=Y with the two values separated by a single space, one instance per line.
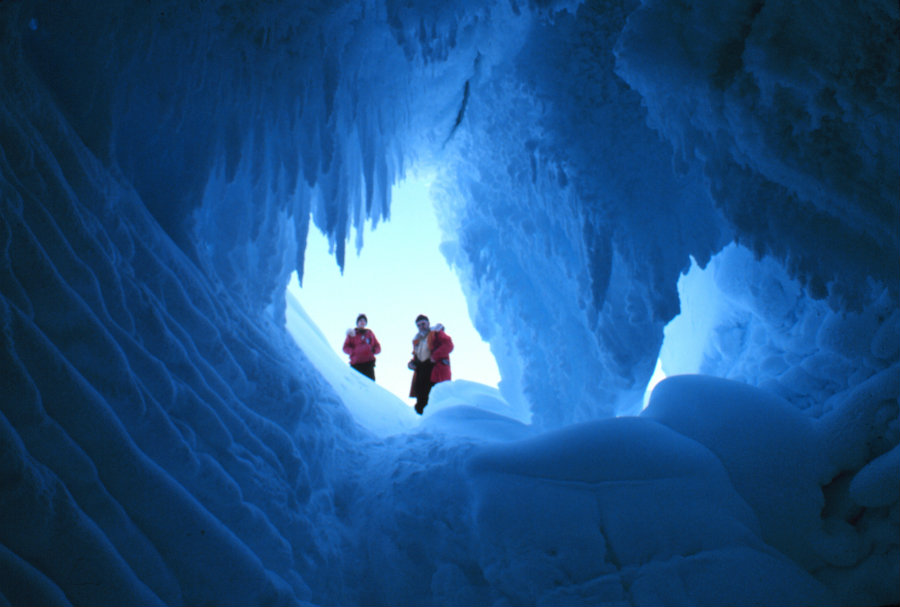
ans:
x=624 y=511
x=791 y=469
x=753 y=433
x=686 y=503
x=464 y=408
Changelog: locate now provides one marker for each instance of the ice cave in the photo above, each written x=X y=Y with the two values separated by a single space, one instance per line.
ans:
x=709 y=189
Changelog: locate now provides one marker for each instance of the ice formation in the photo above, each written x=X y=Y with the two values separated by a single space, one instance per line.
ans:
x=712 y=184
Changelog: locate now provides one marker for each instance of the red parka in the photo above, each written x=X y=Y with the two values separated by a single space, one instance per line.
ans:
x=361 y=345
x=440 y=345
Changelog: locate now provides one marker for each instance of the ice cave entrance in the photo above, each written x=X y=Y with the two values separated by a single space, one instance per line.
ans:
x=398 y=274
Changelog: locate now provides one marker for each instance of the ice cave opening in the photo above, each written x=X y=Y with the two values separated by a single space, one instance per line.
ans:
x=396 y=274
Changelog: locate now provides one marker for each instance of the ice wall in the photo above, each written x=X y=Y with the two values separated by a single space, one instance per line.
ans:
x=163 y=441
x=547 y=133
x=569 y=224
x=761 y=112
x=146 y=420
x=790 y=110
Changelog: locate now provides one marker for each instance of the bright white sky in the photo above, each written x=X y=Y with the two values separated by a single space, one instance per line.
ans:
x=399 y=274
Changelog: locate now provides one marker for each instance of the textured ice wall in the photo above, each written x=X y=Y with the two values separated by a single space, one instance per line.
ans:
x=163 y=441
x=147 y=421
x=235 y=121
x=781 y=123
x=560 y=171
x=791 y=111
x=232 y=120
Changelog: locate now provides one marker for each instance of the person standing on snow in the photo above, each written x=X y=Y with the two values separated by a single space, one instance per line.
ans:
x=362 y=346
x=430 y=361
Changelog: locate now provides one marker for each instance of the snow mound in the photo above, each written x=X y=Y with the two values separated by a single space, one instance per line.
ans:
x=754 y=433
x=623 y=511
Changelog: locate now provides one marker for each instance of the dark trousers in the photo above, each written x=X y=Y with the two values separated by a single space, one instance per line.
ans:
x=367 y=369
x=423 y=384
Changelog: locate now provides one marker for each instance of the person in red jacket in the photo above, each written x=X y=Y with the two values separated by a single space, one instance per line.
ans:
x=362 y=346
x=430 y=361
